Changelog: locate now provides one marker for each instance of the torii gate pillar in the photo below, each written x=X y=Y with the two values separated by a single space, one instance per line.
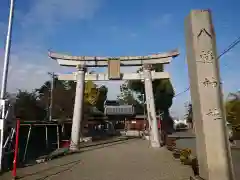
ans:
x=78 y=109
x=153 y=125
x=213 y=151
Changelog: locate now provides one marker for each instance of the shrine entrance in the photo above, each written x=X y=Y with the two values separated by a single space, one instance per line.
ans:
x=205 y=90
x=113 y=63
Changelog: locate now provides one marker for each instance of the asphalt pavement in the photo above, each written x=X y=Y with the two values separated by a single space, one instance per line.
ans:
x=129 y=160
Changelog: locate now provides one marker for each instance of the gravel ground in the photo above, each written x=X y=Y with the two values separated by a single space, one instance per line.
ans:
x=129 y=160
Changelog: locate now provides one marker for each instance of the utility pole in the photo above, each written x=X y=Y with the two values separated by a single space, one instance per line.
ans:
x=4 y=79
x=7 y=51
x=51 y=95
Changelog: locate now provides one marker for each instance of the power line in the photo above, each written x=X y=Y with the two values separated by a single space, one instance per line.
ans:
x=187 y=89
x=230 y=47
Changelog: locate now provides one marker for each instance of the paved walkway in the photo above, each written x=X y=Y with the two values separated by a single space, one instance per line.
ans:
x=129 y=160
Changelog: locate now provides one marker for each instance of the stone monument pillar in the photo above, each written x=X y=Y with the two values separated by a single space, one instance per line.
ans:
x=213 y=149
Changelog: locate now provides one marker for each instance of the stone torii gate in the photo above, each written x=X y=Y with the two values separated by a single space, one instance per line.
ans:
x=113 y=64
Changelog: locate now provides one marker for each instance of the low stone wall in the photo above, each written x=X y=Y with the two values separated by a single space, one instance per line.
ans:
x=134 y=133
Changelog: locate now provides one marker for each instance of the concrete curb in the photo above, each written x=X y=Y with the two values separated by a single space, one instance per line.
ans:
x=65 y=151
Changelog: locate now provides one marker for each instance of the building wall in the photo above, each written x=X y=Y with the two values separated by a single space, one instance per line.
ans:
x=137 y=124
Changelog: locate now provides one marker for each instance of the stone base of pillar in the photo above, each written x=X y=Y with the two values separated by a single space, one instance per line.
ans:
x=155 y=144
x=74 y=147
x=196 y=178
